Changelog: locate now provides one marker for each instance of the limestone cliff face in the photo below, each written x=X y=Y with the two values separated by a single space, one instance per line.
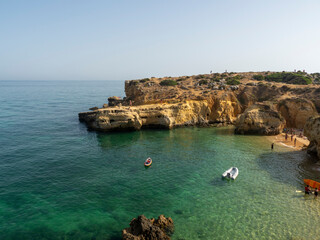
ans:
x=312 y=131
x=296 y=111
x=190 y=100
x=135 y=92
x=148 y=116
x=260 y=118
x=224 y=108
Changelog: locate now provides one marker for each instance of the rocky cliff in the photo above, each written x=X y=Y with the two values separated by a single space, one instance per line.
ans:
x=296 y=111
x=260 y=118
x=312 y=131
x=195 y=100
x=148 y=116
x=142 y=228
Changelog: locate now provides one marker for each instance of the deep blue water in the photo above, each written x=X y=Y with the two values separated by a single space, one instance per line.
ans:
x=59 y=181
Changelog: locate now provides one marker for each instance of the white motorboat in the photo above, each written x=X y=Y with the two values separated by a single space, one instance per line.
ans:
x=231 y=173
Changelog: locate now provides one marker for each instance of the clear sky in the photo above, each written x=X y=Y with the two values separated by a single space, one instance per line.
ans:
x=119 y=40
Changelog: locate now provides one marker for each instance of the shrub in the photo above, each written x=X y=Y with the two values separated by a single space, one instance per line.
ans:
x=144 y=80
x=168 y=82
x=258 y=77
x=224 y=75
x=290 y=78
x=232 y=81
x=199 y=76
x=215 y=79
x=203 y=81
x=238 y=77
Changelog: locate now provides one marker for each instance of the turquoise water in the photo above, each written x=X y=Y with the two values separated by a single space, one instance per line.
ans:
x=59 y=181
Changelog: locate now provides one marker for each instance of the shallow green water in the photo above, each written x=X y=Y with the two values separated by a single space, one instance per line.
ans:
x=59 y=181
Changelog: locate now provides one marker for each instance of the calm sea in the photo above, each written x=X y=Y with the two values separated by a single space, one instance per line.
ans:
x=59 y=181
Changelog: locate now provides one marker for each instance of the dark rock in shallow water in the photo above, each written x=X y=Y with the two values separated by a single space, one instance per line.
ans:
x=143 y=228
x=178 y=211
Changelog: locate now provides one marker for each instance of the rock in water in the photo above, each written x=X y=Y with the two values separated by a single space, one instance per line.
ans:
x=312 y=131
x=165 y=224
x=260 y=118
x=143 y=228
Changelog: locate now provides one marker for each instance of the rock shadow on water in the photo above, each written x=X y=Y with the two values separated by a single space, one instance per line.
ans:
x=290 y=167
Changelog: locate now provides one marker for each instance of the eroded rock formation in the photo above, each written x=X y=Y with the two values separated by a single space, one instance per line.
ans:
x=148 y=116
x=142 y=228
x=203 y=99
x=260 y=118
x=296 y=111
x=312 y=131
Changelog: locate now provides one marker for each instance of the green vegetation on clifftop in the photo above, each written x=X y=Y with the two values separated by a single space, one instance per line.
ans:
x=290 y=78
x=168 y=82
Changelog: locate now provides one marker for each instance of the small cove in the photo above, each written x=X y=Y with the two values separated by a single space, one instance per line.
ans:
x=59 y=181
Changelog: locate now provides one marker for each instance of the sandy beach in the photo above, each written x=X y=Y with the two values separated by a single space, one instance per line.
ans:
x=302 y=142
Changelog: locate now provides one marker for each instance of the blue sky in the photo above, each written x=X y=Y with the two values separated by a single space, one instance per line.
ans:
x=120 y=40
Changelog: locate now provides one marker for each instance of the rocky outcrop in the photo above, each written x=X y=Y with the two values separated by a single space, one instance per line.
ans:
x=296 y=111
x=142 y=228
x=260 y=118
x=225 y=108
x=148 y=116
x=207 y=98
x=312 y=132
x=114 y=101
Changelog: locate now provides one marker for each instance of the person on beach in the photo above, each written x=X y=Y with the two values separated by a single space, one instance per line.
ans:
x=295 y=142
x=316 y=191
x=307 y=190
x=291 y=138
x=286 y=136
x=272 y=146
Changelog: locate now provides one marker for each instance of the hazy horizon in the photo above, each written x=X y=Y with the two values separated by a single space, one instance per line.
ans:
x=123 y=40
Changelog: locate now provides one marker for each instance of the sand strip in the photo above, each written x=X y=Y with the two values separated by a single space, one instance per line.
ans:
x=301 y=142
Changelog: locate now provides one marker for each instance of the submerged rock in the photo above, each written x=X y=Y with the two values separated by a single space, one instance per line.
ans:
x=143 y=228
x=312 y=131
x=260 y=118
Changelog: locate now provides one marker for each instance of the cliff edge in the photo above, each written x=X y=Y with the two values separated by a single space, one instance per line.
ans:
x=218 y=98
x=312 y=131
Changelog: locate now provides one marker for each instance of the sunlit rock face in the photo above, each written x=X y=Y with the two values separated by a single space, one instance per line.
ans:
x=148 y=116
x=312 y=132
x=296 y=111
x=261 y=119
